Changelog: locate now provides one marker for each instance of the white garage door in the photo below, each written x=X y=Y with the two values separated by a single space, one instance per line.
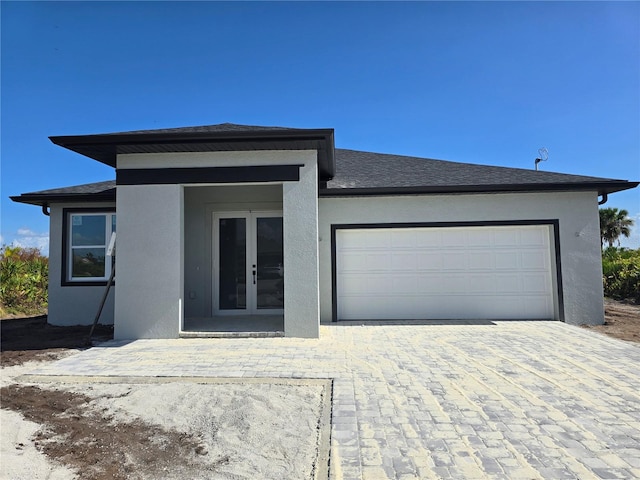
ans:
x=501 y=272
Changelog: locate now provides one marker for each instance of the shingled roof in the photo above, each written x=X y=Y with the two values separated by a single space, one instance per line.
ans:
x=217 y=128
x=223 y=137
x=343 y=172
x=88 y=192
x=362 y=173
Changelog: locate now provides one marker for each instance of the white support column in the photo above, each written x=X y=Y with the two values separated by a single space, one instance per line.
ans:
x=150 y=267
x=300 y=216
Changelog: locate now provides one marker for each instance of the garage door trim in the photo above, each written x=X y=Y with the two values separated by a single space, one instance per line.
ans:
x=554 y=223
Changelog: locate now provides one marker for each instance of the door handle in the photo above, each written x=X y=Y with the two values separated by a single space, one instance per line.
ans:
x=254 y=277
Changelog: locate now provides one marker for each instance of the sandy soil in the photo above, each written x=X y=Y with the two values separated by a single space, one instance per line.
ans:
x=147 y=431
x=622 y=320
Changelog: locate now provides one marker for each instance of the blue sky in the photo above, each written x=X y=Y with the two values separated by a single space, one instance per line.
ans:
x=475 y=82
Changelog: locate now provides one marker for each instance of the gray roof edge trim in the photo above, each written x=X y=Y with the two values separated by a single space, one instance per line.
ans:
x=157 y=138
x=47 y=199
x=105 y=144
x=600 y=187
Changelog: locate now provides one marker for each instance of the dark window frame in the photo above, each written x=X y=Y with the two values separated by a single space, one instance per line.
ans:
x=65 y=280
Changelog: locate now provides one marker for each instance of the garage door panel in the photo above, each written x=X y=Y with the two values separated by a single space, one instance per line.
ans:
x=479 y=236
x=507 y=260
x=379 y=261
x=444 y=273
x=429 y=261
x=431 y=285
x=479 y=284
x=533 y=237
x=408 y=284
x=379 y=285
x=379 y=239
x=365 y=262
x=353 y=262
x=508 y=284
x=535 y=260
x=452 y=238
x=535 y=284
x=404 y=239
x=507 y=238
x=403 y=261
x=431 y=238
x=454 y=261
x=481 y=260
x=356 y=285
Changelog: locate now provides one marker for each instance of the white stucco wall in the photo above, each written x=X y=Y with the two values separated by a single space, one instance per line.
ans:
x=301 y=260
x=151 y=312
x=149 y=273
x=73 y=304
x=579 y=231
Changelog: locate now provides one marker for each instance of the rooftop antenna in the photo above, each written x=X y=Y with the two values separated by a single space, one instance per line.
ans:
x=543 y=154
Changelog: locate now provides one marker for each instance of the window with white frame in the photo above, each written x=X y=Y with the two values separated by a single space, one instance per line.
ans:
x=88 y=235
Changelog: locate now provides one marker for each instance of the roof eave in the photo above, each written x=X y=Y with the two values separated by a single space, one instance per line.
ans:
x=600 y=187
x=104 y=147
x=48 y=199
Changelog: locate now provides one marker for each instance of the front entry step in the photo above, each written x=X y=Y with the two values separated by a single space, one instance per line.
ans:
x=230 y=334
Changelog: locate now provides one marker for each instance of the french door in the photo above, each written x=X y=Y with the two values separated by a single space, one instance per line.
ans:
x=248 y=270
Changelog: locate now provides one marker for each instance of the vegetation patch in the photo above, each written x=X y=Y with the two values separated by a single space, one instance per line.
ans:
x=621 y=273
x=24 y=277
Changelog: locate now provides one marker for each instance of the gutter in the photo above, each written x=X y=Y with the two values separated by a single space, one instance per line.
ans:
x=603 y=188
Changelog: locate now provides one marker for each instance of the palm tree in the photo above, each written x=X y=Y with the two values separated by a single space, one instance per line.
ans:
x=614 y=224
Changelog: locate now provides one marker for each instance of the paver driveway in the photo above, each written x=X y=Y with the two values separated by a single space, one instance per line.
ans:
x=513 y=400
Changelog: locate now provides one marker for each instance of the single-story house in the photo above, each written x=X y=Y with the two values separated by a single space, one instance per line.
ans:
x=275 y=230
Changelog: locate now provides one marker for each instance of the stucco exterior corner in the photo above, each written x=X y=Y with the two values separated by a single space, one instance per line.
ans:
x=300 y=232
x=149 y=272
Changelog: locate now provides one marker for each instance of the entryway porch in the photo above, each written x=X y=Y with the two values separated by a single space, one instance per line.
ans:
x=240 y=326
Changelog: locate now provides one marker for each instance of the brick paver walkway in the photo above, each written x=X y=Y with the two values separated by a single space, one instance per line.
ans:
x=511 y=400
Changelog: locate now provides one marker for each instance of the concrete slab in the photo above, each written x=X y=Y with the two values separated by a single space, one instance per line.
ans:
x=516 y=400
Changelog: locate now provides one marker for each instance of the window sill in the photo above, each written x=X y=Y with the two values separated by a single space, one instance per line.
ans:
x=88 y=283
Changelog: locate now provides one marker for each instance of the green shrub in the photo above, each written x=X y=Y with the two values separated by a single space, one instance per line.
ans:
x=621 y=273
x=24 y=276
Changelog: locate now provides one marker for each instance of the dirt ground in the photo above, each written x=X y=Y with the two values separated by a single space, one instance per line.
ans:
x=29 y=339
x=93 y=442
x=81 y=434
x=621 y=320
x=96 y=440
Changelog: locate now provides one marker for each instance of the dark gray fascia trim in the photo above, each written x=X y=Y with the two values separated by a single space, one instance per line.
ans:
x=47 y=199
x=167 y=176
x=555 y=223
x=104 y=147
x=600 y=187
x=111 y=139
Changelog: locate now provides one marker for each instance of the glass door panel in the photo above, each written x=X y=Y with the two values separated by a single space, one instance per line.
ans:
x=232 y=279
x=269 y=261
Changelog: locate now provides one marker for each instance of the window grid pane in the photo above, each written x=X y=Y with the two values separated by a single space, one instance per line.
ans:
x=88 y=263
x=88 y=230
